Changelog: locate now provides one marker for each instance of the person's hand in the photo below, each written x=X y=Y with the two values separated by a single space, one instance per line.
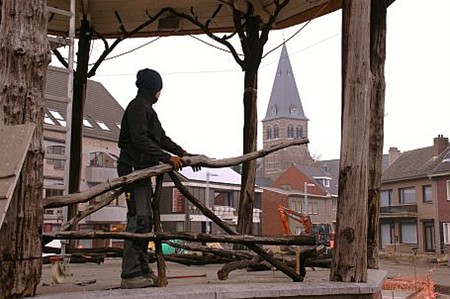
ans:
x=195 y=168
x=176 y=162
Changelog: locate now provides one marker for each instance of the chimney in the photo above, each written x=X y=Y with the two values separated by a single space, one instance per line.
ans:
x=394 y=153
x=440 y=143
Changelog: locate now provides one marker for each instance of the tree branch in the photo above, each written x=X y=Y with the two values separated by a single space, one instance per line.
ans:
x=161 y=236
x=106 y=201
x=84 y=196
x=119 y=39
x=206 y=30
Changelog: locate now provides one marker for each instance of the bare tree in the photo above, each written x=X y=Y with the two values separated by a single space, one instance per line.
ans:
x=24 y=57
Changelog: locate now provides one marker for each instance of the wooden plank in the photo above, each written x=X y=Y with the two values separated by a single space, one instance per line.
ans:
x=14 y=143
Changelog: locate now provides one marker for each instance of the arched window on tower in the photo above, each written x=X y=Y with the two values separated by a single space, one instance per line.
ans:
x=275 y=132
x=299 y=132
x=290 y=131
x=269 y=133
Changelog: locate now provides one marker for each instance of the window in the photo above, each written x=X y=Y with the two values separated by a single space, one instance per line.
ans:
x=313 y=208
x=407 y=195
x=269 y=133
x=285 y=186
x=101 y=159
x=299 y=132
x=103 y=126
x=293 y=110
x=323 y=181
x=426 y=193
x=58 y=117
x=408 y=232
x=448 y=190
x=53 y=192
x=86 y=123
x=446 y=232
x=59 y=150
x=386 y=198
x=275 y=132
x=273 y=110
x=48 y=120
x=55 y=150
x=290 y=131
x=334 y=204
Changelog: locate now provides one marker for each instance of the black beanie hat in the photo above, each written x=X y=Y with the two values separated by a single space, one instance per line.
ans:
x=149 y=80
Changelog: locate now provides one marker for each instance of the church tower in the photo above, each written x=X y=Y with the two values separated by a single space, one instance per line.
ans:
x=284 y=120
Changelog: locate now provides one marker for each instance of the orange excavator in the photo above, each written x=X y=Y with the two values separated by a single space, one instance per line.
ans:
x=322 y=232
x=286 y=213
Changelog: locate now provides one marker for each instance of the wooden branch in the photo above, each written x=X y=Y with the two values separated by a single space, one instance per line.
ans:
x=60 y=58
x=162 y=278
x=119 y=39
x=256 y=248
x=206 y=30
x=189 y=260
x=240 y=239
x=84 y=196
x=223 y=273
x=232 y=254
x=106 y=201
x=267 y=27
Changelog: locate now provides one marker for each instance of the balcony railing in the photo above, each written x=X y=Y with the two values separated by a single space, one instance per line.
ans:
x=97 y=174
x=399 y=211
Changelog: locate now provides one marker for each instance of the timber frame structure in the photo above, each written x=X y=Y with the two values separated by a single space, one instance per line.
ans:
x=117 y=185
x=363 y=85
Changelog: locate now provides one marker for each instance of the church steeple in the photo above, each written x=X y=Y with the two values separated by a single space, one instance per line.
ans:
x=284 y=120
x=284 y=100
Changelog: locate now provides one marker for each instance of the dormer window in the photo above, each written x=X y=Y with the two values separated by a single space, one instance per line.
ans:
x=293 y=110
x=273 y=110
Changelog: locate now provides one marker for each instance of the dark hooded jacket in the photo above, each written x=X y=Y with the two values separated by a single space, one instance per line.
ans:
x=142 y=141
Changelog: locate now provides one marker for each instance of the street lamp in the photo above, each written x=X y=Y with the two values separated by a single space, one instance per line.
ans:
x=208 y=221
x=306 y=196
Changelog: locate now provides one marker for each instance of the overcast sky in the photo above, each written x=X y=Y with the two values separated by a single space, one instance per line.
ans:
x=201 y=105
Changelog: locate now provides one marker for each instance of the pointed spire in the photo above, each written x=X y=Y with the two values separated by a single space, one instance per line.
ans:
x=284 y=100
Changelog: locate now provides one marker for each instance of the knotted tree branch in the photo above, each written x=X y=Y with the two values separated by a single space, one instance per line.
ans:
x=85 y=196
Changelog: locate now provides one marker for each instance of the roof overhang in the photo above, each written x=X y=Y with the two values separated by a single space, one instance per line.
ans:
x=111 y=18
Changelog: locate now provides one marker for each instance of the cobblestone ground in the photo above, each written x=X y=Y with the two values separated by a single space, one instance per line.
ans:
x=89 y=276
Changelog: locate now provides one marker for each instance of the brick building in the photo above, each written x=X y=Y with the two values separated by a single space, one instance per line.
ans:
x=415 y=200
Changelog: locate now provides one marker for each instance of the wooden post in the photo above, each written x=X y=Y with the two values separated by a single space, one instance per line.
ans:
x=79 y=97
x=24 y=57
x=252 y=49
x=162 y=278
x=377 y=59
x=350 y=254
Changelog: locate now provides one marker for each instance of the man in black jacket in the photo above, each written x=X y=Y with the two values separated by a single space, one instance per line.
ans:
x=143 y=143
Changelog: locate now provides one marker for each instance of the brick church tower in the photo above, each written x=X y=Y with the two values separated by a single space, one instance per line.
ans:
x=284 y=120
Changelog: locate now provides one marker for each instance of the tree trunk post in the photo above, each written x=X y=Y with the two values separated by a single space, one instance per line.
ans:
x=248 y=176
x=350 y=254
x=79 y=97
x=377 y=60
x=162 y=278
x=24 y=57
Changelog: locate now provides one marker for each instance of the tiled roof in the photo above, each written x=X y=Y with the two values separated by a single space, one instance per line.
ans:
x=414 y=164
x=100 y=106
x=320 y=172
x=444 y=165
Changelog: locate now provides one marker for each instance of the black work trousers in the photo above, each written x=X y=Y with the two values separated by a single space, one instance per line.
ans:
x=139 y=194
